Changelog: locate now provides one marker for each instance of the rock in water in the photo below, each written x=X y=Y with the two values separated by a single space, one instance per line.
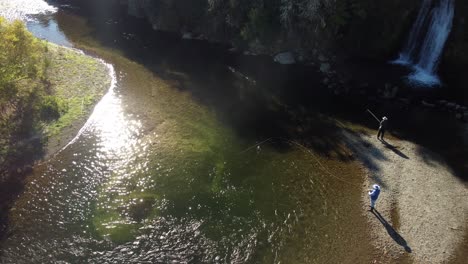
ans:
x=285 y=58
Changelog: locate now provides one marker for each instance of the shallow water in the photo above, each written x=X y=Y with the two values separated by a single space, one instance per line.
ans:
x=158 y=175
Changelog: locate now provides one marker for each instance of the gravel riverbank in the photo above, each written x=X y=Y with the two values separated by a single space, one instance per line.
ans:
x=422 y=211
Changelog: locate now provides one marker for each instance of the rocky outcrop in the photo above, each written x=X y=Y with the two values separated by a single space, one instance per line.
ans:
x=357 y=27
x=344 y=28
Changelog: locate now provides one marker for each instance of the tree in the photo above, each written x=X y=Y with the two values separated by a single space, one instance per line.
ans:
x=21 y=58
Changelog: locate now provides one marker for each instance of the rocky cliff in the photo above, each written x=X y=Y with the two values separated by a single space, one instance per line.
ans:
x=356 y=27
x=365 y=29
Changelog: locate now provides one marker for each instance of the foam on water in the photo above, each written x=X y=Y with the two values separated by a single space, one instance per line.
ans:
x=403 y=59
x=423 y=77
x=24 y=9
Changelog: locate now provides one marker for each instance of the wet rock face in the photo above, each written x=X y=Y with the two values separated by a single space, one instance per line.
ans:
x=285 y=58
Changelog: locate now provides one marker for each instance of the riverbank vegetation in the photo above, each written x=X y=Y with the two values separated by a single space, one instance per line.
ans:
x=350 y=26
x=44 y=89
x=46 y=93
x=25 y=95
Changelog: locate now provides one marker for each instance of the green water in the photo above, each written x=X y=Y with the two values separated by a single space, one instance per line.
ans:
x=160 y=176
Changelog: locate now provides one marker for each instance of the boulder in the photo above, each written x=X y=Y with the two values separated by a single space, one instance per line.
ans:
x=285 y=58
x=200 y=37
x=441 y=103
x=424 y=103
x=187 y=35
x=325 y=67
x=451 y=106
x=322 y=58
x=249 y=53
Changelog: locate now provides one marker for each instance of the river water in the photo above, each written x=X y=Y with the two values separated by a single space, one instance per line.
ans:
x=184 y=160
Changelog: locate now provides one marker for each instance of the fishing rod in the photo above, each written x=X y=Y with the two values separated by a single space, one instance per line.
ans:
x=256 y=145
x=373 y=115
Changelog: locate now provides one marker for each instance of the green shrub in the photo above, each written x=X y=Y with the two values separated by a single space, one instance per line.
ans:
x=21 y=55
x=260 y=26
x=52 y=108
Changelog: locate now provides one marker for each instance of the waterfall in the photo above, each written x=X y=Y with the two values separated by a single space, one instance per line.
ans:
x=409 y=51
x=426 y=41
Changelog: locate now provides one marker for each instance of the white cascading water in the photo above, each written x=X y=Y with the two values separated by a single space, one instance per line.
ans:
x=427 y=40
x=410 y=51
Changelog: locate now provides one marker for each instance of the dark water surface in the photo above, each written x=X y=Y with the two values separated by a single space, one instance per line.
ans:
x=168 y=169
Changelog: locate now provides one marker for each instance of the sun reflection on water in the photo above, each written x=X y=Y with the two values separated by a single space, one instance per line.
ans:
x=110 y=197
x=24 y=9
x=117 y=133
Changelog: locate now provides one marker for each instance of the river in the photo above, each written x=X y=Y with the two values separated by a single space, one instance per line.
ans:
x=188 y=158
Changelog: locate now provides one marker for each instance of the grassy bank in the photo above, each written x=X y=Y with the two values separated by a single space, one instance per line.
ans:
x=78 y=81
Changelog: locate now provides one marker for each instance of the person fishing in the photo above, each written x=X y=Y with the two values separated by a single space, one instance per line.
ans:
x=374 y=195
x=382 y=128
x=382 y=125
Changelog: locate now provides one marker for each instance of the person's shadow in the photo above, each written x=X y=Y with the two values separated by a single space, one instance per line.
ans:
x=394 y=149
x=391 y=231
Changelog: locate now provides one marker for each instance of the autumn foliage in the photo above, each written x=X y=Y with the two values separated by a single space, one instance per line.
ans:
x=23 y=89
